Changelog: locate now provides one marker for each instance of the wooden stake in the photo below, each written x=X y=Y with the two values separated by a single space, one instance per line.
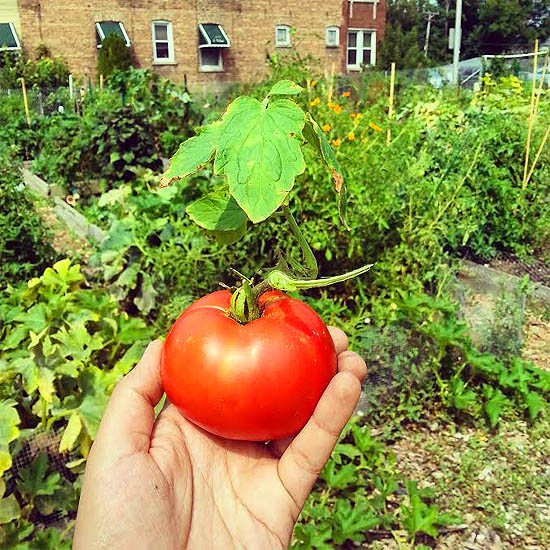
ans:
x=101 y=82
x=390 y=110
x=531 y=114
x=26 y=102
x=537 y=156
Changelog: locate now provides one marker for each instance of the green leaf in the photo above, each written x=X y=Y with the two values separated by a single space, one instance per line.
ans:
x=535 y=403
x=45 y=381
x=146 y=299
x=494 y=405
x=217 y=212
x=9 y=422
x=15 y=337
x=9 y=507
x=192 y=155
x=339 y=477
x=71 y=433
x=34 y=481
x=259 y=151
x=351 y=523
x=315 y=136
x=229 y=237
x=96 y=388
x=77 y=342
x=285 y=87
x=34 y=318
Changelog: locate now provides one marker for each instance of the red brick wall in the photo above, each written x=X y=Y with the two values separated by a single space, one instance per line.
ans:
x=362 y=15
x=68 y=29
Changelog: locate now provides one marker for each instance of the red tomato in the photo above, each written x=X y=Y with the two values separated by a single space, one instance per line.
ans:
x=259 y=381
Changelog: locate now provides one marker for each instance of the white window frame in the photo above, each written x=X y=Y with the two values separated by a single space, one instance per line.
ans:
x=211 y=68
x=102 y=34
x=282 y=43
x=170 y=41
x=359 y=48
x=327 y=32
x=17 y=42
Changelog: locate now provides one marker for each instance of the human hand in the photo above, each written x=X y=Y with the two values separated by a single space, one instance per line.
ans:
x=167 y=484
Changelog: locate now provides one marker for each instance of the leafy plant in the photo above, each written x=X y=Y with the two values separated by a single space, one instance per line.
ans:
x=63 y=346
x=113 y=55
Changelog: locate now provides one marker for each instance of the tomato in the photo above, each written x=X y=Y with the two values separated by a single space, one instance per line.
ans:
x=258 y=381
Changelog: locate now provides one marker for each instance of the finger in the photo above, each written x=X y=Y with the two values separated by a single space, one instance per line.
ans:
x=306 y=455
x=349 y=361
x=339 y=338
x=128 y=420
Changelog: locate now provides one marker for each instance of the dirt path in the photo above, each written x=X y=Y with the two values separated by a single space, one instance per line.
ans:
x=64 y=240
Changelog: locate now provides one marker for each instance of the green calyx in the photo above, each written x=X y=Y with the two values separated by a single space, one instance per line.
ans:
x=244 y=304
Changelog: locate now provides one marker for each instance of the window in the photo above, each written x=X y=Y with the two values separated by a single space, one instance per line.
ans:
x=163 y=42
x=282 y=36
x=105 y=28
x=332 y=37
x=211 y=59
x=212 y=38
x=361 y=49
x=8 y=37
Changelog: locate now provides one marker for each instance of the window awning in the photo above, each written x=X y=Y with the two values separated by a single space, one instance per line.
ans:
x=212 y=35
x=105 y=28
x=8 y=37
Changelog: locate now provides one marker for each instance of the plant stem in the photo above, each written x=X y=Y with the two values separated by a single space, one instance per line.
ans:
x=312 y=270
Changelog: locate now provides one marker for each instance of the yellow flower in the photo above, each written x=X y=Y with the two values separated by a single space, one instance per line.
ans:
x=313 y=83
x=326 y=127
x=346 y=94
x=358 y=116
x=337 y=109
x=351 y=136
x=375 y=127
x=331 y=105
x=336 y=142
x=316 y=101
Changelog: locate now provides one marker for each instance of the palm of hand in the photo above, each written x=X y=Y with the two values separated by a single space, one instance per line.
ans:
x=168 y=484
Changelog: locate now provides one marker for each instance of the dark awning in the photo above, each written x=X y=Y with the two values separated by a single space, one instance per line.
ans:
x=105 y=28
x=8 y=37
x=212 y=35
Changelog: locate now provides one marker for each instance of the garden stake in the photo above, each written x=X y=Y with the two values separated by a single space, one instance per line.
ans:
x=531 y=115
x=390 y=110
x=539 y=91
x=25 y=101
x=101 y=82
x=537 y=156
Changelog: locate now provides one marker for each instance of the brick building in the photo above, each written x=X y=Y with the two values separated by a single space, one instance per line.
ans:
x=209 y=41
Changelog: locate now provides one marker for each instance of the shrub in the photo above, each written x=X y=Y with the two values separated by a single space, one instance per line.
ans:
x=25 y=248
x=113 y=55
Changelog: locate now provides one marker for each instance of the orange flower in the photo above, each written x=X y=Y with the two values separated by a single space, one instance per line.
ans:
x=337 y=109
x=351 y=136
x=326 y=127
x=313 y=83
x=316 y=101
x=375 y=127
x=331 y=105
x=346 y=94
x=353 y=115
x=336 y=142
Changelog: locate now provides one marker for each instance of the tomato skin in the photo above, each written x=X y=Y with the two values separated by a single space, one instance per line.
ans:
x=256 y=382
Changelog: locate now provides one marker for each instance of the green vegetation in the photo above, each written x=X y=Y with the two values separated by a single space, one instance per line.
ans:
x=113 y=55
x=448 y=186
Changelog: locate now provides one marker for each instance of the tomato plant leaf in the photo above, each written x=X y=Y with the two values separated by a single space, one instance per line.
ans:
x=315 y=136
x=285 y=87
x=217 y=212
x=259 y=152
x=535 y=404
x=192 y=155
x=9 y=507
x=350 y=523
x=494 y=404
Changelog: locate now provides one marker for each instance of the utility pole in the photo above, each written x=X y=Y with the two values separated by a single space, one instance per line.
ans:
x=430 y=15
x=458 y=37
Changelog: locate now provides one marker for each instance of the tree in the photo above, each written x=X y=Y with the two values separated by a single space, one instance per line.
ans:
x=114 y=54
